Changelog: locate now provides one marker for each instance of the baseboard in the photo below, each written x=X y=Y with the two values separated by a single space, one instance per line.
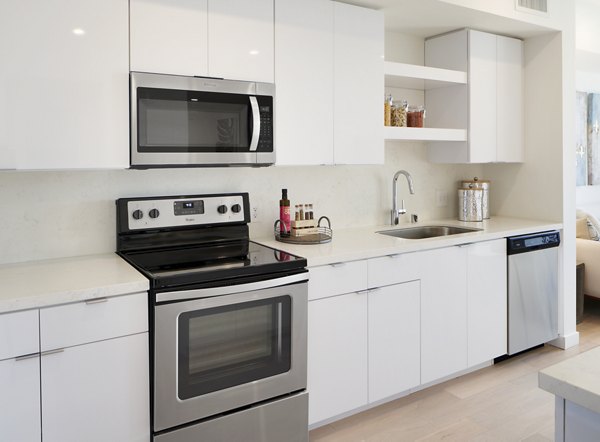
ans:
x=567 y=341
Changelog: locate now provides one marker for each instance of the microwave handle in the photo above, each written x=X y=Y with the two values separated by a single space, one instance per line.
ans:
x=255 y=124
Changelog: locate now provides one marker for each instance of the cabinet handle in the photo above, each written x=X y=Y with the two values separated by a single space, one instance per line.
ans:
x=96 y=301
x=374 y=290
x=51 y=352
x=362 y=292
x=394 y=256
x=24 y=357
x=338 y=264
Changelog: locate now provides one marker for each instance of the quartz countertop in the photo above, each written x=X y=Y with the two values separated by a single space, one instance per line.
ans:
x=59 y=281
x=360 y=243
x=577 y=379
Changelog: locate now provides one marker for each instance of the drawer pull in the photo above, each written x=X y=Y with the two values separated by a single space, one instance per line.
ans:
x=362 y=292
x=394 y=256
x=96 y=301
x=25 y=357
x=374 y=290
x=338 y=264
x=51 y=352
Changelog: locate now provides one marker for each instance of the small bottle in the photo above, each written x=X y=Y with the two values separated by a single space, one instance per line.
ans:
x=301 y=209
x=284 y=214
x=297 y=213
x=310 y=208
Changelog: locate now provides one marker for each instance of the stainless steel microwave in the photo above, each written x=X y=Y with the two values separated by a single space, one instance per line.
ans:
x=179 y=121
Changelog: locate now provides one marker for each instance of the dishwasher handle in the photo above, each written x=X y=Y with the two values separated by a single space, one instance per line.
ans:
x=532 y=242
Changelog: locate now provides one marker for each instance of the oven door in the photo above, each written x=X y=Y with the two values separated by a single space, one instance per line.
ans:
x=189 y=121
x=228 y=348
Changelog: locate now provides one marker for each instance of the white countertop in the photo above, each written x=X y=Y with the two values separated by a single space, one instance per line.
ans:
x=59 y=281
x=577 y=379
x=364 y=242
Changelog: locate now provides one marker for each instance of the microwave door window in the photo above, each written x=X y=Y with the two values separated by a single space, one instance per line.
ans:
x=182 y=121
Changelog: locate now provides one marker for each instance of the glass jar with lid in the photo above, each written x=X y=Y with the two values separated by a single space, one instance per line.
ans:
x=399 y=113
x=415 y=116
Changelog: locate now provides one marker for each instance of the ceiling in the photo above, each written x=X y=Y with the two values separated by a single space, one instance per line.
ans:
x=424 y=18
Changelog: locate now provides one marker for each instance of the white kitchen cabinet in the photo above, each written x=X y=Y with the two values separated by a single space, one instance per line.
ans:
x=64 y=87
x=97 y=392
x=443 y=312
x=20 y=399
x=337 y=355
x=490 y=107
x=394 y=339
x=20 y=377
x=304 y=79
x=358 y=87
x=169 y=37
x=487 y=301
x=240 y=39
x=337 y=279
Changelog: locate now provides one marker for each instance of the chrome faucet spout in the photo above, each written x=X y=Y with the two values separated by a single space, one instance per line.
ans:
x=395 y=211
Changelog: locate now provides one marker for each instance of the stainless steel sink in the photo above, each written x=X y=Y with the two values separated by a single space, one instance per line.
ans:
x=427 y=231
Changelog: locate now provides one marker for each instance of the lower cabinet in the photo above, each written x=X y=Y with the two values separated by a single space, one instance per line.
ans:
x=394 y=339
x=487 y=301
x=337 y=355
x=97 y=391
x=443 y=312
x=20 y=399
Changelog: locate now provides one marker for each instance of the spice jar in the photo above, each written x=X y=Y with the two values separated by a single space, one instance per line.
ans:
x=399 y=110
x=387 y=110
x=415 y=116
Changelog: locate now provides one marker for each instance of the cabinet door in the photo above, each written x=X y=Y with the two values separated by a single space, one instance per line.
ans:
x=64 y=84
x=20 y=400
x=97 y=392
x=358 y=85
x=304 y=78
x=509 y=69
x=394 y=339
x=337 y=355
x=487 y=301
x=240 y=40
x=443 y=312
x=482 y=97
x=169 y=37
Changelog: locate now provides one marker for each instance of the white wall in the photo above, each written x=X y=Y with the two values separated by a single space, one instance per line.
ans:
x=57 y=214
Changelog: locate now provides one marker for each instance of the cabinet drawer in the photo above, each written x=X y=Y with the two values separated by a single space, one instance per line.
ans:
x=93 y=320
x=393 y=269
x=19 y=334
x=337 y=279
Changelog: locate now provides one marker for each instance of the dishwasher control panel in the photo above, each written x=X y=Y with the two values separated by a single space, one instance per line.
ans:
x=533 y=241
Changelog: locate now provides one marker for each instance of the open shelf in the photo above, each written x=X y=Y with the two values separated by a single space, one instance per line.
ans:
x=410 y=76
x=424 y=134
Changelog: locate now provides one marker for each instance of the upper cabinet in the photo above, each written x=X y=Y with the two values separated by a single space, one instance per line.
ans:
x=169 y=37
x=240 y=39
x=64 y=84
x=490 y=107
x=230 y=39
x=329 y=79
x=304 y=96
x=358 y=85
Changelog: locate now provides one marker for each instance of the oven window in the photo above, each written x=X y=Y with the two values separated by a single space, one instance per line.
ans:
x=191 y=121
x=232 y=345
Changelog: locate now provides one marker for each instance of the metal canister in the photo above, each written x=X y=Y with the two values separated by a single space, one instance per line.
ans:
x=470 y=204
x=484 y=185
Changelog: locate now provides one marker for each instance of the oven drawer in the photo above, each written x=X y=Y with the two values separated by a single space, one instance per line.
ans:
x=19 y=334
x=337 y=279
x=93 y=320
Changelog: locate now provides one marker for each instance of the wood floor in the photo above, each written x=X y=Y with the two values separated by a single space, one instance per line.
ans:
x=497 y=403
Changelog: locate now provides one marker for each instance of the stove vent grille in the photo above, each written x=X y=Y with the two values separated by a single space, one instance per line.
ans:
x=538 y=6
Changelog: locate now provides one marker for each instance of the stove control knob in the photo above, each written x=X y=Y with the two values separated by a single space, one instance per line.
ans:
x=236 y=208
x=137 y=214
x=222 y=209
x=154 y=213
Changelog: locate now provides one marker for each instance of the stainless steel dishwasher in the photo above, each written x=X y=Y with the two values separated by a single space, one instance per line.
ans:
x=532 y=290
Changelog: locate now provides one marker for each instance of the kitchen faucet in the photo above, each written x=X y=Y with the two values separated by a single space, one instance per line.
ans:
x=395 y=211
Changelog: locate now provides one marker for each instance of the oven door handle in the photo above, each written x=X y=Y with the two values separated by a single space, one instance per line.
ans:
x=230 y=289
x=255 y=124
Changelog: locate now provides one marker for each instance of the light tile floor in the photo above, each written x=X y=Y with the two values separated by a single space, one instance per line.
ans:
x=497 y=403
